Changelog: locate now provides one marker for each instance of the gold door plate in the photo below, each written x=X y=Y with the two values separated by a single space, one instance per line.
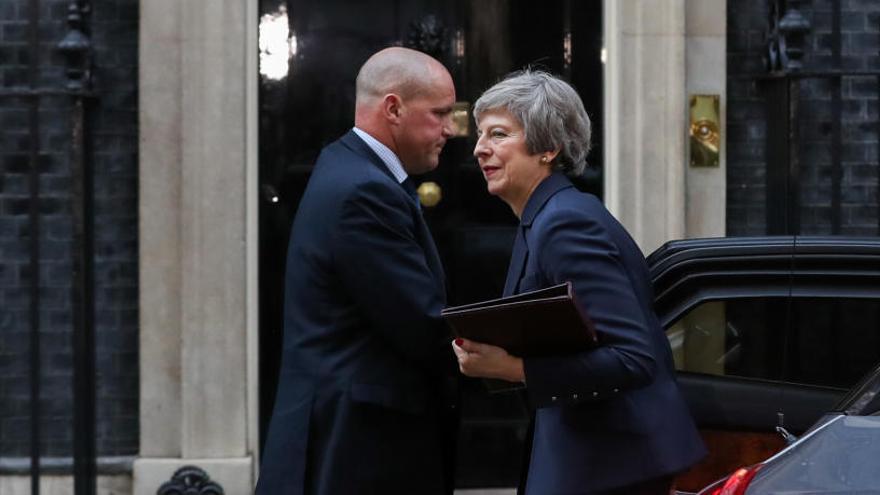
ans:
x=461 y=118
x=705 y=130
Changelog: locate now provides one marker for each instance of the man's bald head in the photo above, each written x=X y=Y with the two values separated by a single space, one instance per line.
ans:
x=404 y=100
x=402 y=71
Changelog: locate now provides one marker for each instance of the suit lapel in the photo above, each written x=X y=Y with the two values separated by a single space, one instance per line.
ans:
x=423 y=234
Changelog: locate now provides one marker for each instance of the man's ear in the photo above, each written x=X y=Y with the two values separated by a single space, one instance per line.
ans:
x=392 y=108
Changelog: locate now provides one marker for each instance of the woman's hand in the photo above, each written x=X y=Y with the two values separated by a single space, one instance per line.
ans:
x=487 y=361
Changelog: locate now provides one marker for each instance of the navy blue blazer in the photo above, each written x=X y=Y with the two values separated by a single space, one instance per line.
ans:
x=612 y=416
x=361 y=404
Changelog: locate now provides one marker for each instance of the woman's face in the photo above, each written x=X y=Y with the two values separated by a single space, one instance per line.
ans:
x=511 y=173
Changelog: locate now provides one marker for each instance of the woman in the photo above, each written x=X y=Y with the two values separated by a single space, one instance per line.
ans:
x=610 y=420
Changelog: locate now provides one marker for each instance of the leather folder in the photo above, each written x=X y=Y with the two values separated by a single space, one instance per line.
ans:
x=544 y=322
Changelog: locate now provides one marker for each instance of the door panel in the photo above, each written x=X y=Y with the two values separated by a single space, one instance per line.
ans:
x=728 y=354
x=744 y=370
x=765 y=326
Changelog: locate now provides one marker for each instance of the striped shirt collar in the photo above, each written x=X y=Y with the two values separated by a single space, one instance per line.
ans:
x=388 y=157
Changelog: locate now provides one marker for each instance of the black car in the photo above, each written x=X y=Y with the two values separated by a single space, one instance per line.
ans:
x=767 y=332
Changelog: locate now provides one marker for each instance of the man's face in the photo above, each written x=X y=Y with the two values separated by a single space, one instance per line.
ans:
x=425 y=125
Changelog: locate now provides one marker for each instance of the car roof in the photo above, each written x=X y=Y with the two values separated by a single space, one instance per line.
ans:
x=686 y=272
x=677 y=251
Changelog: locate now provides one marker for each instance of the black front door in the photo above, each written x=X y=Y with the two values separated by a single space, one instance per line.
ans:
x=310 y=54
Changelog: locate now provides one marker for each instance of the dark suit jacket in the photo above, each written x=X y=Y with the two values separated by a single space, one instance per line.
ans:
x=360 y=406
x=611 y=416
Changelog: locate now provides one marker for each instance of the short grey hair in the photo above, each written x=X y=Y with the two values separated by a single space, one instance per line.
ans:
x=551 y=113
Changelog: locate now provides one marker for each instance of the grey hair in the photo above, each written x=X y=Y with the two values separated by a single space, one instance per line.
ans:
x=551 y=113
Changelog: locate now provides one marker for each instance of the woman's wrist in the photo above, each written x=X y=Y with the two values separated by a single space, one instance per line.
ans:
x=517 y=370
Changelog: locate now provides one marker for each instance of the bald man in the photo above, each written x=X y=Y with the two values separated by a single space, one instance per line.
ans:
x=363 y=402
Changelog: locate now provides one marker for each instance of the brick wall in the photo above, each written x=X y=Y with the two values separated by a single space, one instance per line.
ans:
x=746 y=121
x=114 y=25
x=746 y=191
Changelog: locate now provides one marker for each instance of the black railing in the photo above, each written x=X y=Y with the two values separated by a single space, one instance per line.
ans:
x=77 y=49
x=34 y=231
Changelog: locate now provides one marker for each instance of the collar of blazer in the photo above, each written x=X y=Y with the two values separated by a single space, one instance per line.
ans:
x=353 y=142
x=556 y=182
x=545 y=190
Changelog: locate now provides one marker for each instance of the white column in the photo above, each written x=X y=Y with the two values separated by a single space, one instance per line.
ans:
x=707 y=74
x=197 y=241
x=645 y=122
x=160 y=228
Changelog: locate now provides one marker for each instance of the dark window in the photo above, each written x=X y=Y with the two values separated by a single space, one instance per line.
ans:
x=831 y=342
x=741 y=337
x=834 y=342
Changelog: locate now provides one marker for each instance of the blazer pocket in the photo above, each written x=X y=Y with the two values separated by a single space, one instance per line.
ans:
x=405 y=399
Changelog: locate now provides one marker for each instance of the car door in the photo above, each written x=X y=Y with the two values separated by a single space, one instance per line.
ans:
x=765 y=332
x=835 y=313
x=723 y=305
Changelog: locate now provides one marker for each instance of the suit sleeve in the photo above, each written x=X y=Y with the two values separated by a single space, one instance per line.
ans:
x=572 y=246
x=385 y=269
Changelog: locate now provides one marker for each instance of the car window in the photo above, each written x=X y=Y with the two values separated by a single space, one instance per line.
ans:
x=832 y=342
x=738 y=337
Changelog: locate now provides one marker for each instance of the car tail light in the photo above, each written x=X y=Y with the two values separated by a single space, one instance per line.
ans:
x=736 y=483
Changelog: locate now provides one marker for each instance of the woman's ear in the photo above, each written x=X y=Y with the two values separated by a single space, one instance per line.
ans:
x=548 y=156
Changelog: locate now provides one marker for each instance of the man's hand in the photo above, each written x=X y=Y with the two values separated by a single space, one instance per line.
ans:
x=487 y=361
